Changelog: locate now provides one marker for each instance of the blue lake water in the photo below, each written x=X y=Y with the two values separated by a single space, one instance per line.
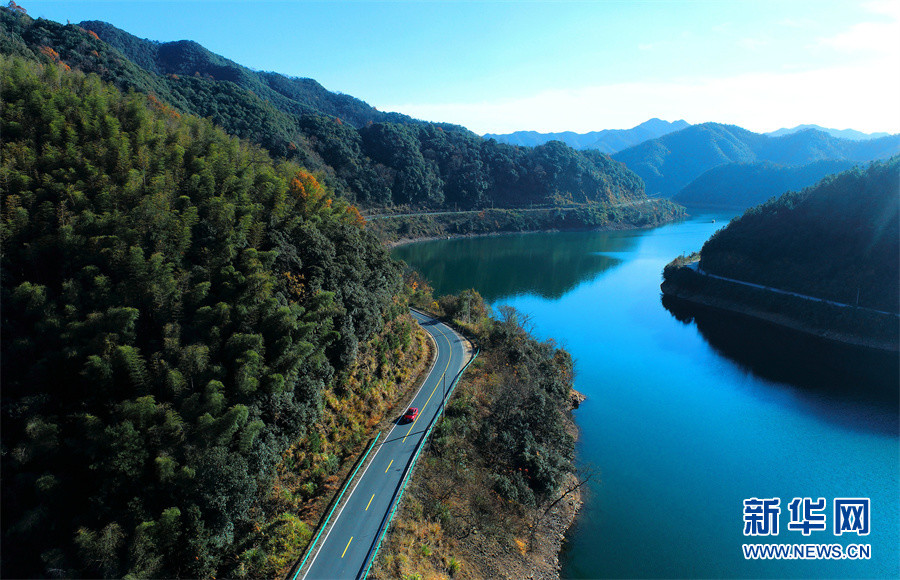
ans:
x=689 y=414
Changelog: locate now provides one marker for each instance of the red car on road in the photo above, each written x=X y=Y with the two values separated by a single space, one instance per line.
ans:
x=410 y=415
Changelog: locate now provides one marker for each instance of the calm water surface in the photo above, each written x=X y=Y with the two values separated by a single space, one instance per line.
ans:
x=689 y=413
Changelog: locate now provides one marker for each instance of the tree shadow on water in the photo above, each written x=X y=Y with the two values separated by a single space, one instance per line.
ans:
x=855 y=387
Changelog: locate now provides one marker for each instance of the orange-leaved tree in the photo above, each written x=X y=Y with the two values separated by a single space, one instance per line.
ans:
x=305 y=187
x=355 y=217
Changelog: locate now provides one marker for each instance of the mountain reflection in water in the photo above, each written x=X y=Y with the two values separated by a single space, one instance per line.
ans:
x=518 y=264
x=851 y=385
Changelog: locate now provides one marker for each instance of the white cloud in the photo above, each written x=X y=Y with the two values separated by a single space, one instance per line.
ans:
x=753 y=44
x=877 y=37
x=860 y=97
x=888 y=7
x=797 y=23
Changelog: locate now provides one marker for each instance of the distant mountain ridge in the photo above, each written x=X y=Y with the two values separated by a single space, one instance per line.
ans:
x=605 y=141
x=669 y=163
x=851 y=134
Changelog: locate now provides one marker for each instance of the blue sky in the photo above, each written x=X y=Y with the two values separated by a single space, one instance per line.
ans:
x=555 y=66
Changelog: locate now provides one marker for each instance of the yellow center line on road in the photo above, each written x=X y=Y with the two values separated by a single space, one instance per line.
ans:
x=370 y=502
x=348 y=545
x=422 y=410
x=389 y=466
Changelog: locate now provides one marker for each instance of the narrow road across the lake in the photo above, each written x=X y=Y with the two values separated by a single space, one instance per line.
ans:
x=347 y=545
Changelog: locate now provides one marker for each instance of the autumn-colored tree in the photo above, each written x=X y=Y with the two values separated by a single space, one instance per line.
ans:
x=355 y=216
x=47 y=51
x=159 y=105
x=54 y=56
x=295 y=284
x=306 y=187
x=89 y=32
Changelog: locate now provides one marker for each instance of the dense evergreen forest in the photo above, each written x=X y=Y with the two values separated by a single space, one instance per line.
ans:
x=743 y=185
x=174 y=305
x=835 y=240
x=371 y=158
x=671 y=162
x=838 y=240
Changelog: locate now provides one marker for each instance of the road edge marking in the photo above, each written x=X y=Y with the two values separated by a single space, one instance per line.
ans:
x=419 y=390
x=395 y=502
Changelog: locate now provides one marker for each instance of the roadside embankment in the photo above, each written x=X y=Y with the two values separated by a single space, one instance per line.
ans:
x=496 y=488
x=311 y=473
x=856 y=326
x=404 y=228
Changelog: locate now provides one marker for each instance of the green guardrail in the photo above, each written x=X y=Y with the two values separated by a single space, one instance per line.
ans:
x=309 y=550
x=409 y=470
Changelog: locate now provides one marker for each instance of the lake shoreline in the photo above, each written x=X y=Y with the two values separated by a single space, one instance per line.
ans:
x=611 y=228
x=679 y=405
x=672 y=290
x=471 y=508
x=408 y=228
x=539 y=558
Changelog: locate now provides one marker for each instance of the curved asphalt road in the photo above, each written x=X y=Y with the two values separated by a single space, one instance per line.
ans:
x=344 y=550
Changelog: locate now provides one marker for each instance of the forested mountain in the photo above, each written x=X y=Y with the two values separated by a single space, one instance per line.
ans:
x=187 y=58
x=174 y=305
x=370 y=158
x=606 y=141
x=851 y=134
x=837 y=240
x=671 y=162
x=742 y=185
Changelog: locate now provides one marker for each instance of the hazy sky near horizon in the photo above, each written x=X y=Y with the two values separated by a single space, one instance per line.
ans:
x=554 y=65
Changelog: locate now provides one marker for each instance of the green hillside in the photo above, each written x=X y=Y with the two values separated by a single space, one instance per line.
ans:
x=187 y=58
x=835 y=240
x=370 y=158
x=175 y=304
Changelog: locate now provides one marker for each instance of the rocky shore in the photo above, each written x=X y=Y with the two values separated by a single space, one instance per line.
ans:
x=537 y=558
